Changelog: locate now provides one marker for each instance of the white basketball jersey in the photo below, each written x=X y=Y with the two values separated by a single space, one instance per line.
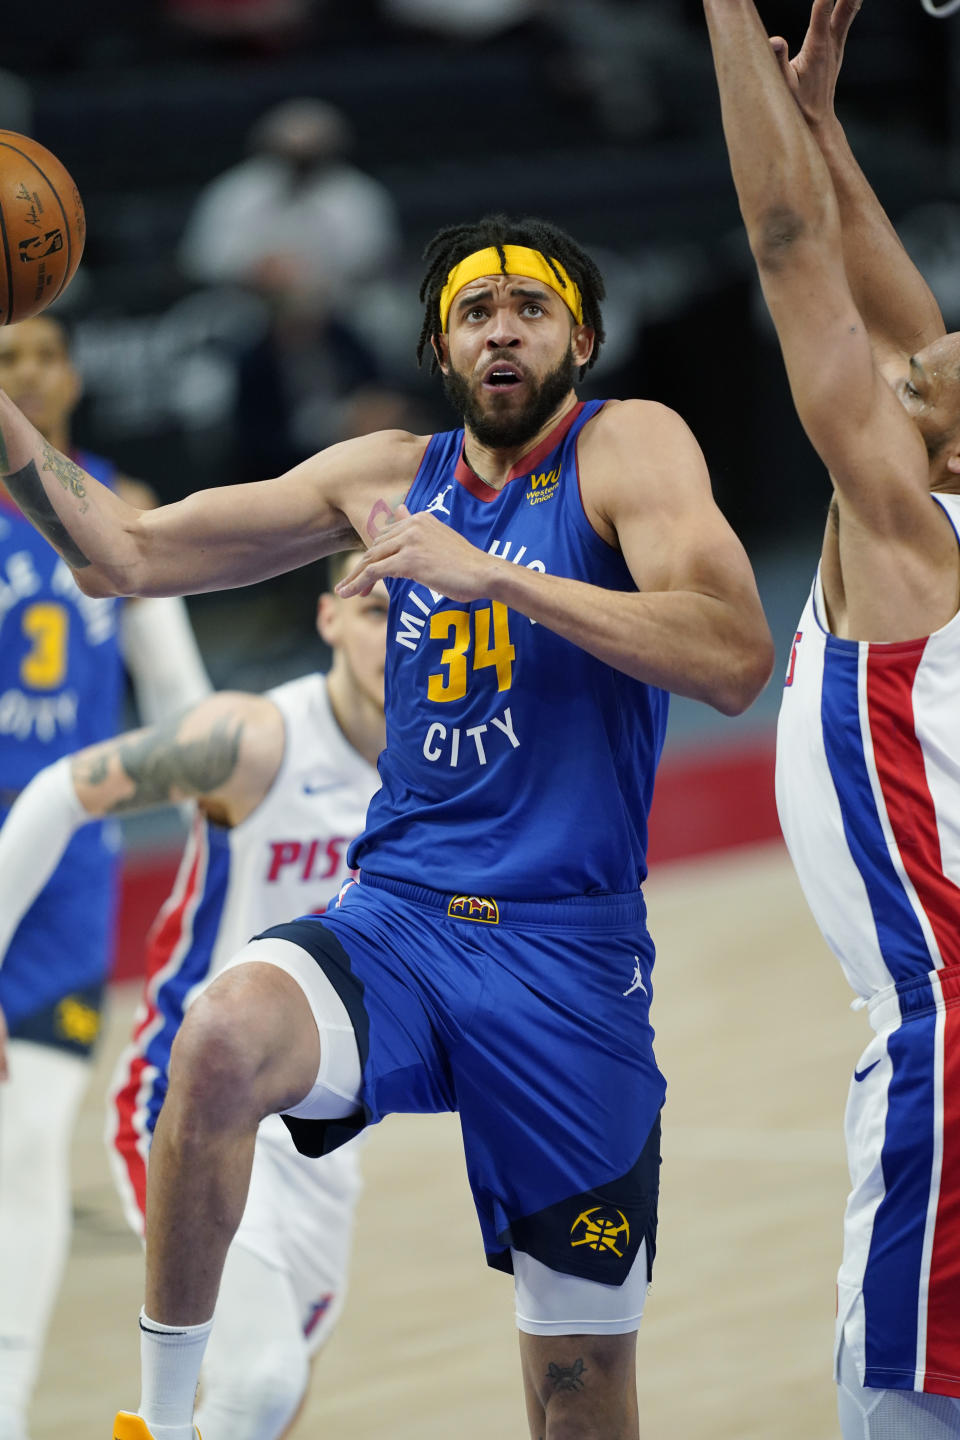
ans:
x=288 y=858
x=868 y=792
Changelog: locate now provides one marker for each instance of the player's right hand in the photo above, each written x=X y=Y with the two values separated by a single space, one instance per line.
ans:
x=420 y=547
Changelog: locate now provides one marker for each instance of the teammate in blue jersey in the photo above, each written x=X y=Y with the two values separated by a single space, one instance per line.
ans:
x=62 y=660
x=868 y=744
x=553 y=569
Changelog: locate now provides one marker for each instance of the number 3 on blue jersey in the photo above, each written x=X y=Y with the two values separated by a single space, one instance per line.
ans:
x=47 y=625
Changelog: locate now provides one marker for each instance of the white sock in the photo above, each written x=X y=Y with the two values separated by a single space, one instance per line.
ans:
x=170 y=1359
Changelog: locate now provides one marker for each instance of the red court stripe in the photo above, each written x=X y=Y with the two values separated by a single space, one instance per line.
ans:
x=903 y=783
x=714 y=800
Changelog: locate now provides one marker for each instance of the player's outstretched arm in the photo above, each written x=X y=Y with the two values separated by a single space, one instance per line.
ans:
x=224 y=753
x=858 y=426
x=696 y=627
x=895 y=301
x=213 y=539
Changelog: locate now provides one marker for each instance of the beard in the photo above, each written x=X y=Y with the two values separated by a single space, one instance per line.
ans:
x=504 y=432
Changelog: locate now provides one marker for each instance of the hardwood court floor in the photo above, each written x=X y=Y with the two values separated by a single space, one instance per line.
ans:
x=757 y=1040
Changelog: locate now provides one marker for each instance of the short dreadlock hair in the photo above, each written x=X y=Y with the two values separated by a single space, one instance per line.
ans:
x=453 y=244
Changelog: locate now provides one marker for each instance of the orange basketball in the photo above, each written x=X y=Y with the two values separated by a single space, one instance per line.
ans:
x=42 y=227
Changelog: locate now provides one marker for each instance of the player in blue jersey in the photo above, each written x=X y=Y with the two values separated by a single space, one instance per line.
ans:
x=554 y=570
x=61 y=676
x=868 y=745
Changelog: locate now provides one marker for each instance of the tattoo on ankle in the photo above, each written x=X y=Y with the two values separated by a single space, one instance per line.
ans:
x=71 y=477
x=567 y=1377
x=26 y=487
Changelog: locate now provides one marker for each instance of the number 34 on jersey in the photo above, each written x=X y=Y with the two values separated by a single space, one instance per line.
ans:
x=462 y=646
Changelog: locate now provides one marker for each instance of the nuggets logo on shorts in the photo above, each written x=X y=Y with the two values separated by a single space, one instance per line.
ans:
x=601 y=1229
x=76 y=1021
x=475 y=907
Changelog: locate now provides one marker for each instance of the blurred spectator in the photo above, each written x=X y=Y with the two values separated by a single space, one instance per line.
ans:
x=303 y=230
x=295 y=220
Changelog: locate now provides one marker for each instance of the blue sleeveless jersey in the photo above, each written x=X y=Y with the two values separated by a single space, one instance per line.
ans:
x=61 y=679
x=516 y=765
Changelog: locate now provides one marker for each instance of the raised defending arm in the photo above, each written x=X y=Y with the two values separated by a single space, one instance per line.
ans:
x=873 y=451
x=894 y=555
x=895 y=301
x=783 y=186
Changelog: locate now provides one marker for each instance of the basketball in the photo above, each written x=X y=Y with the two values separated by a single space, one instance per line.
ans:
x=42 y=227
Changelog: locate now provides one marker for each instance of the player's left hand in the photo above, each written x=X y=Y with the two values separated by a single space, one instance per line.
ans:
x=812 y=73
x=420 y=547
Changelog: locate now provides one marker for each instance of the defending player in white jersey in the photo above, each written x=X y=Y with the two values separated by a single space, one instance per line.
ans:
x=868 y=767
x=282 y=782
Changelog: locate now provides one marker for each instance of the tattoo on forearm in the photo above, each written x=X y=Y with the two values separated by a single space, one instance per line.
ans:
x=93 y=771
x=164 y=768
x=71 y=477
x=4 y=457
x=567 y=1377
x=26 y=487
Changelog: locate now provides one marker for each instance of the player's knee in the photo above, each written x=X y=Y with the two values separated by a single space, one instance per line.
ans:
x=214 y=1059
x=241 y=1047
x=588 y=1392
x=257 y=1400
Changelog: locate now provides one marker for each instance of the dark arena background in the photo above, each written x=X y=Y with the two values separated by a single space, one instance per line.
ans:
x=602 y=116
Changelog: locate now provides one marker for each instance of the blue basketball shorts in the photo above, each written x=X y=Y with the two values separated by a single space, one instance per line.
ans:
x=533 y=1021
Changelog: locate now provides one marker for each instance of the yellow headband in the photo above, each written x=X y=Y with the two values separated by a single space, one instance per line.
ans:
x=520 y=261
